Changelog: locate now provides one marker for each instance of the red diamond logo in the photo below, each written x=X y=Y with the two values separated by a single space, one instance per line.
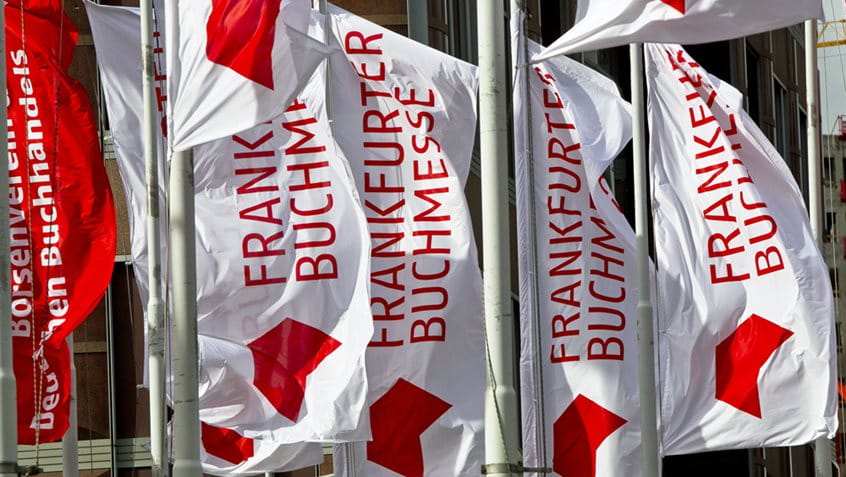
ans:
x=226 y=444
x=677 y=4
x=397 y=420
x=284 y=357
x=240 y=36
x=739 y=359
x=578 y=433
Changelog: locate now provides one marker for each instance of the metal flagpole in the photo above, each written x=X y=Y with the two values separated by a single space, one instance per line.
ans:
x=651 y=461
x=155 y=307
x=523 y=72
x=418 y=20
x=822 y=446
x=8 y=396
x=501 y=416
x=70 y=441
x=186 y=407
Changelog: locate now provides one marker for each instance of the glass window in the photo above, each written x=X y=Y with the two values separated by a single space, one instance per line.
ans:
x=753 y=84
x=782 y=120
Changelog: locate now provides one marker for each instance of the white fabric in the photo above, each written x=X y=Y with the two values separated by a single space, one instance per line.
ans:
x=607 y=23
x=295 y=191
x=115 y=31
x=120 y=72
x=727 y=215
x=400 y=203
x=268 y=456
x=560 y=167
x=209 y=100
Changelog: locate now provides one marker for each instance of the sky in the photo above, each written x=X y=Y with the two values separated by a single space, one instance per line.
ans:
x=832 y=63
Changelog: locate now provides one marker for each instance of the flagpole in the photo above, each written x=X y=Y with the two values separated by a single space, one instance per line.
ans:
x=8 y=396
x=186 y=407
x=70 y=441
x=822 y=446
x=501 y=416
x=651 y=461
x=155 y=308
x=418 y=20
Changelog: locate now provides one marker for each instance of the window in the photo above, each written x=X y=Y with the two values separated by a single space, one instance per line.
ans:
x=828 y=170
x=753 y=84
x=782 y=119
x=830 y=224
x=803 y=157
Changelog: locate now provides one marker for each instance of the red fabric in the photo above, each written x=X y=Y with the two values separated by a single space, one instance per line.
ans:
x=680 y=5
x=241 y=35
x=578 y=433
x=226 y=444
x=740 y=358
x=842 y=190
x=62 y=215
x=398 y=419
x=283 y=359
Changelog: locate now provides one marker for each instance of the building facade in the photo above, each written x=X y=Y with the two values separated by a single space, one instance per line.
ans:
x=109 y=348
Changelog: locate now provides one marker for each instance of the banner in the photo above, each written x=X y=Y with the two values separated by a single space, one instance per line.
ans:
x=224 y=452
x=236 y=64
x=282 y=267
x=405 y=116
x=607 y=23
x=62 y=219
x=744 y=300
x=280 y=296
x=116 y=31
x=578 y=271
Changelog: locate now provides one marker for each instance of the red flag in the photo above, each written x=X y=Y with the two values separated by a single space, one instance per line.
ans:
x=62 y=219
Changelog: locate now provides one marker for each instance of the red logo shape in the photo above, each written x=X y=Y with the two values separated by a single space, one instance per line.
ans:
x=240 y=36
x=397 y=420
x=578 y=433
x=284 y=357
x=226 y=444
x=740 y=358
x=677 y=4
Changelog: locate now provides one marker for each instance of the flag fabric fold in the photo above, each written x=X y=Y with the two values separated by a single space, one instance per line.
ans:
x=62 y=218
x=283 y=263
x=745 y=317
x=404 y=115
x=224 y=452
x=578 y=270
x=233 y=65
x=278 y=225
x=608 y=23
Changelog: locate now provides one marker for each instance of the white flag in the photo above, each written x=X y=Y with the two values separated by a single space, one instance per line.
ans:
x=116 y=31
x=282 y=281
x=608 y=23
x=578 y=271
x=744 y=300
x=282 y=258
x=224 y=452
x=234 y=64
x=405 y=115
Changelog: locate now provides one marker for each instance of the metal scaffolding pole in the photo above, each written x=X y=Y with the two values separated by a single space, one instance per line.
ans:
x=822 y=446
x=186 y=402
x=650 y=461
x=155 y=303
x=502 y=423
x=8 y=396
x=70 y=441
x=418 y=20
